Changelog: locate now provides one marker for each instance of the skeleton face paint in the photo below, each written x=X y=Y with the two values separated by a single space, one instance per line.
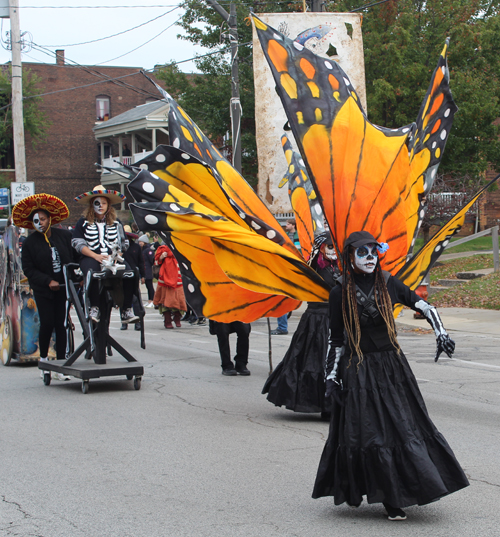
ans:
x=40 y=222
x=100 y=205
x=329 y=252
x=365 y=258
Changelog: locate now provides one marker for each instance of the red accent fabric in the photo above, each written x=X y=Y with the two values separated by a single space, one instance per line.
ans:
x=170 y=275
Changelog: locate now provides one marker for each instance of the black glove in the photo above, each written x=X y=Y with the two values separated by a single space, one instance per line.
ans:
x=334 y=389
x=444 y=344
x=330 y=386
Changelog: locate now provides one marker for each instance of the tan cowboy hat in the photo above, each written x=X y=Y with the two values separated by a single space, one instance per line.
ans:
x=22 y=210
x=113 y=195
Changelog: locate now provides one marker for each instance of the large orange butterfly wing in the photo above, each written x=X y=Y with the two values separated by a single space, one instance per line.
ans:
x=366 y=177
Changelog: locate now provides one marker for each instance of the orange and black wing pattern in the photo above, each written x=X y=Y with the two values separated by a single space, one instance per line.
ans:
x=417 y=268
x=204 y=184
x=366 y=177
x=230 y=272
x=308 y=213
x=187 y=136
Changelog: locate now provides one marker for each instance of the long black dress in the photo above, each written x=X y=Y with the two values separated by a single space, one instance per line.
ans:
x=298 y=381
x=382 y=443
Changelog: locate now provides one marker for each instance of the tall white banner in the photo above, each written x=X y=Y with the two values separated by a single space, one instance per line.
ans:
x=336 y=36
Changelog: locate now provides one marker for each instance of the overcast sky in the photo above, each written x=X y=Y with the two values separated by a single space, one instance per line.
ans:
x=53 y=24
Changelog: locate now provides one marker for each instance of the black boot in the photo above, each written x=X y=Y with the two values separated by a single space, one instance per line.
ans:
x=123 y=326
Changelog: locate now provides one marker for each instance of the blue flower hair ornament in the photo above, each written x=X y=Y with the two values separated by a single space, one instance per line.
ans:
x=382 y=247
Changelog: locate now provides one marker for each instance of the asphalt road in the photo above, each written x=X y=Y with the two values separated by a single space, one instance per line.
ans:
x=195 y=453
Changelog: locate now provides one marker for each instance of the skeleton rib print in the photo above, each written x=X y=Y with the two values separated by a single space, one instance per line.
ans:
x=101 y=237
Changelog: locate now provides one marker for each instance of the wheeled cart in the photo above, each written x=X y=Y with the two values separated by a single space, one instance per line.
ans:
x=97 y=344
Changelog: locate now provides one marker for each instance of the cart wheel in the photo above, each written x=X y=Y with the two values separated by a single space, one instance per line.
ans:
x=85 y=386
x=47 y=377
x=7 y=341
x=130 y=377
x=137 y=383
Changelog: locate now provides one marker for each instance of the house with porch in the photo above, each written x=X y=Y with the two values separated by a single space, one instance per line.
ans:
x=130 y=137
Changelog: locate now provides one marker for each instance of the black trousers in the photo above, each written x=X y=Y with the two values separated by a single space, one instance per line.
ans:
x=150 y=288
x=242 y=331
x=52 y=312
x=129 y=284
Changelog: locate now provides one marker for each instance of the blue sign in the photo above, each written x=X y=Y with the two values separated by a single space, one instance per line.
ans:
x=4 y=197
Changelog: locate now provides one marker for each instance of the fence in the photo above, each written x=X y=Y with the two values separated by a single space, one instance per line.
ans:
x=494 y=239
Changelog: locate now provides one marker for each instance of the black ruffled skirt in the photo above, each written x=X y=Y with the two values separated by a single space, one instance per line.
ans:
x=382 y=443
x=298 y=381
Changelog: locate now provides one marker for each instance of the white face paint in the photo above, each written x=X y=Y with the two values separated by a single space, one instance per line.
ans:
x=39 y=222
x=100 y=205
x=365 y=258
x=329 y=252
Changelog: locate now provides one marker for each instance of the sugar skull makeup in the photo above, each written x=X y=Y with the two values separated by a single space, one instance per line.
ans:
x=365 y=258
x=100 y=205
x=41 y=222
x=329 y=252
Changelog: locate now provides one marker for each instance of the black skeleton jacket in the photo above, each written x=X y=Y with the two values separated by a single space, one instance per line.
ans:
x=374 y=331
x=43 y=263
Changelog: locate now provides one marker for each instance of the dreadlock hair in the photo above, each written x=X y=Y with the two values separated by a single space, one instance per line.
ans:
x=89 y=213
x=350 y=307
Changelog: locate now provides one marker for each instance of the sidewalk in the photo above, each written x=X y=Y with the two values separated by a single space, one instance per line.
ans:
x=448 y=257
x=458 y=320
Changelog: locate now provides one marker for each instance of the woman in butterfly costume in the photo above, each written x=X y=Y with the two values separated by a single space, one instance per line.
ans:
x=298 y=382
x=382 y=443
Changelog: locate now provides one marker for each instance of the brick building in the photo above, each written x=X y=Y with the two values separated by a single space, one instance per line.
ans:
x=489 y=205
x=64 y=165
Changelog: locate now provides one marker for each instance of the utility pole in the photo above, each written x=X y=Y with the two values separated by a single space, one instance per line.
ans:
x=17 y=93
x=235 y=106
x=316 y=5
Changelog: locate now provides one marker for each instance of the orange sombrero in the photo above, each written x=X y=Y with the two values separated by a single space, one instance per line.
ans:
x=23 y=209
x=113 y=195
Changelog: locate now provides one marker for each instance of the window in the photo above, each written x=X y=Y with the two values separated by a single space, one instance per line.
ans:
x=102 y=108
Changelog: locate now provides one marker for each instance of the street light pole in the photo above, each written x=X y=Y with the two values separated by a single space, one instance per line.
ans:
x=17 y=93
x=235 y=107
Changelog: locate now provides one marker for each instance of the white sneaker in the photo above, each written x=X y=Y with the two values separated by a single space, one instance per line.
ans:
x=128 y=316
x=150 y=305
x=95 y=314
x=60 y=376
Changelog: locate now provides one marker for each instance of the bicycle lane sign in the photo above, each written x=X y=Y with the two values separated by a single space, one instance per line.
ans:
x=19 y=191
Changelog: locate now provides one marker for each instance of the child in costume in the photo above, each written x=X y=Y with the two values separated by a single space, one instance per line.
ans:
x=97 y=235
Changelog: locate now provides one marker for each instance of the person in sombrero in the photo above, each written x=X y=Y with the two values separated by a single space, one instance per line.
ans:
x=43 y=255
x=95 y=237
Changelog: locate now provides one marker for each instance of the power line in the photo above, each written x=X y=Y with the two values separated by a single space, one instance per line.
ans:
x=98 y=7
x=114 y=35
x=106 y=78
x=140 y=46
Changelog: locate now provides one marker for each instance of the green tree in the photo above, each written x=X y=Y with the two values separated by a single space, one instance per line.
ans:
x=206 y=97
x=35 y=120
x=402 y=42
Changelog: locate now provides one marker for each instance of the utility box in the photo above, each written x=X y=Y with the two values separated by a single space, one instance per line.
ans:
x=4 y=9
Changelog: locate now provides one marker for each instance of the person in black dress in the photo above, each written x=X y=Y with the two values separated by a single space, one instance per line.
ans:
x=382 y=443
x=43 y=255
x=298 y=381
